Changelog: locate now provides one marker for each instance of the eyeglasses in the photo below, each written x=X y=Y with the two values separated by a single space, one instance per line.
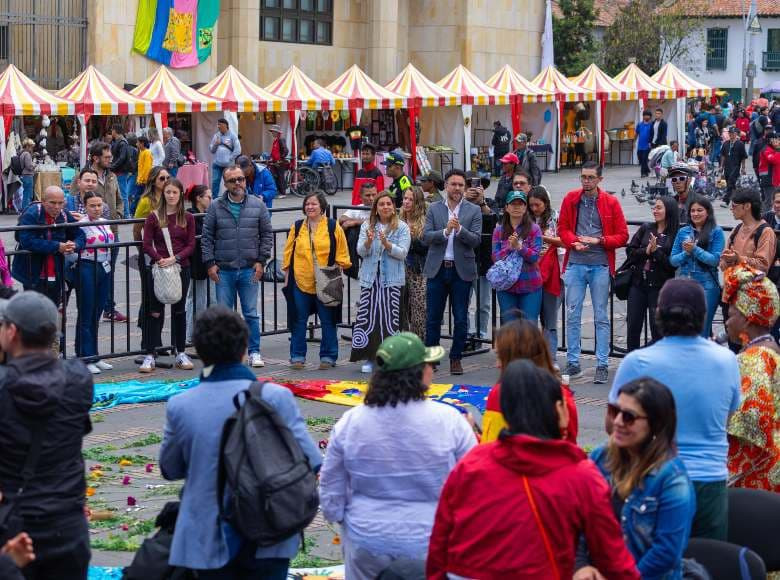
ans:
x=520 y=184
x=678 y=178
x=629 y=417
x=234 y=180
x=588 y=177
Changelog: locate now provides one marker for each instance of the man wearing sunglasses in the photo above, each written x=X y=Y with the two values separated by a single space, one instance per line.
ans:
x=704 y=379
x=681 y=176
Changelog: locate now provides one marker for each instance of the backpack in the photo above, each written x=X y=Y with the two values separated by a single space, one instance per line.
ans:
x=151 y=560
x=16 y=165
x=774 y=271
x=273 y=490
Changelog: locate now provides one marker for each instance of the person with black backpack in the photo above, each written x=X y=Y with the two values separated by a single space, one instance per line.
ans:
x=222 y=530
x=753 y=241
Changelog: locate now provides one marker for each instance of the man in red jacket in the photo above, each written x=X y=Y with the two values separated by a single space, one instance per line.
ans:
x=592 y=227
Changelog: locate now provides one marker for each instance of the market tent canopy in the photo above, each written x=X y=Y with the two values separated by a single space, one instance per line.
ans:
x=99 y=96
x=550 y=79
x=301 y=92
x=635 y=78
x=685 y=86
x=606 y=88
x=239 y=94
x=508 y=80
x=471 y=89
x=411 y=83
x=364 y=92
x=19 y=95
x=170 y=95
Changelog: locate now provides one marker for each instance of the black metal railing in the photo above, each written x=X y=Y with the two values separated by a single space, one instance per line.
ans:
x=770 y=60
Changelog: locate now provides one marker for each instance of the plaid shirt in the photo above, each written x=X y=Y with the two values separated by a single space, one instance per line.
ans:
x=530 y=278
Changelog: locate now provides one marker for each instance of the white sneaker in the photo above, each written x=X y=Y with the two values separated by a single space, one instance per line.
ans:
x=148 y=365
x=255 y=360
x=93 y=369
x=183 y=362
x=103 y=365
x=367 y=368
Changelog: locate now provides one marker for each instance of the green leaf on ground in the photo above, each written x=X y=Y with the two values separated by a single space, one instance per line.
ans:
x=151 y=439
x=304 y=559
x=115 y=543
x=164 y=490
x=98 y=418
x=326 y=420
x=102 y=454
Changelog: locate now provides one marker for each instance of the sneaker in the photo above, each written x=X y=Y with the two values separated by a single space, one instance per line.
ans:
x=103 y=365
x=298 y=365
x=367 y=368
x=116 y=316
x=256 y=361
x=601 y=376
x=183 y=362
x=93 y=369
x=148 y=365
x=573 y=370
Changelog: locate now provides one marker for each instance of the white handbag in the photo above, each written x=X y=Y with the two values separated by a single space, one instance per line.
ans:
x=167 y=281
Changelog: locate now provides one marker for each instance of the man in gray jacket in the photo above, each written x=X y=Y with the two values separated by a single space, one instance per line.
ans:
x=237 y=241
x=226 y=148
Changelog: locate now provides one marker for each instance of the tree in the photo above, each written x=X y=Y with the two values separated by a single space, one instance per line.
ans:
x=573 y=36
x=652 y=32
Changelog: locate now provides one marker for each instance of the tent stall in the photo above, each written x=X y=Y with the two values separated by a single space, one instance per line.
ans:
x=685 y=88
x=426 y=95
x=532 y=109
x=242 y=97
x=473 y=92
x=654 y=95
x=100 y=96
x=621 y=113
x=303 y=95
x=576 y=125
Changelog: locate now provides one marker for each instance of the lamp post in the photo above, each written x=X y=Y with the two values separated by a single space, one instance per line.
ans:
x=753 y=29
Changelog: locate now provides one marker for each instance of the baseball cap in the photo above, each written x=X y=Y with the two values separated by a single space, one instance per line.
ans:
x=682 y=293
x=510 y=158
x=515 y=195
x=681 y=167
x=275 y=129
x=29 y=311
x=521 y=137
x=733 y=129
x=405 y=350
x=432 y=175
x=393 y=158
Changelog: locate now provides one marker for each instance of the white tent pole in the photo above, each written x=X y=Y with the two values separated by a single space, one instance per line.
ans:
x=83 y=139
x=466 y=110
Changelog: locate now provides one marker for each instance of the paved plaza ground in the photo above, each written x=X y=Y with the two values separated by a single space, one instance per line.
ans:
x=134 y=431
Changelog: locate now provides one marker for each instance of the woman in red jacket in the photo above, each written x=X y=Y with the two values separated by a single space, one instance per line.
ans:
x=515 y=508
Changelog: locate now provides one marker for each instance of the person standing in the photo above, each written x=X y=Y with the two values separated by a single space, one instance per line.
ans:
x=475 y=193
x=501 y=142
x=278 y=164
x=453 y=230
x=168 y=218
x=527 y=159
x=44 y=410
x=237 y=242
x=173 y=156
x=383 y=244
x=394 y=164
x=432 y=185
x=259 y=181
x=413 y=213
x=144 y=167
x=225 y=147
x=644 y=138
x=28 y=172
x=202 y=291
x=202 y=541
x=682 y=177
x=647 y=254
x=705 y=394
x=156 y=147
x=690 y=135
x=368 y=167
x=732 y=160
x=592 y=227
x=659 y=129
x=509 y=163
x=752 y=241
x=121 y=166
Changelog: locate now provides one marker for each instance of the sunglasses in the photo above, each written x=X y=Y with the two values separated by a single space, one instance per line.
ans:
x=163 y=178
x=678 y=178
x=629 y=417
x=236 y=180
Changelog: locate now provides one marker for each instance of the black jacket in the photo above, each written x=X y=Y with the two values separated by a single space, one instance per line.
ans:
x=661 y=140
x=120 y=150
x=485 y=250
x=501 y=142
x=660 y=269
x=38 y=389
x=197 y=267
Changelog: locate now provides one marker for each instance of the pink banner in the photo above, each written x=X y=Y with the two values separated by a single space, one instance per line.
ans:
x=185 y=9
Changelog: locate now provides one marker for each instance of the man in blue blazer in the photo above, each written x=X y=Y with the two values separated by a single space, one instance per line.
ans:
x=190 y=451
x=453 y=229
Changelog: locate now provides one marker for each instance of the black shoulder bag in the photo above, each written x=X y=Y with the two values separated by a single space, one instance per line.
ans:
x=10 y=521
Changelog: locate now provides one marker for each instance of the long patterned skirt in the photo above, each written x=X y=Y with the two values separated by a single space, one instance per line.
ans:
x=378 y=317
x=414 y=311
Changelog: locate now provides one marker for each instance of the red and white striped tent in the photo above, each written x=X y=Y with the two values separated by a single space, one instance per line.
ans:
x=238 y=93
x=170 y=95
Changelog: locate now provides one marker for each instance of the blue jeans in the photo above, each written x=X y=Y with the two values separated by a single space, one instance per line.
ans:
x=551 y=305
x=243 y=283
x=447 y=284
x=329 y=347
x=109 y=305
x=712 y=294
x=27 y=191
x=135 y=197
x=126 y=183
x=91 y=292
x=717 y=144
x=529 y=303
x=482 y=310
x=216 y=178
x=577 y=278
x=200 y=296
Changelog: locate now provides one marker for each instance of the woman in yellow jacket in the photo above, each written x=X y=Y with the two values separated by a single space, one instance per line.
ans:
x=313 y=238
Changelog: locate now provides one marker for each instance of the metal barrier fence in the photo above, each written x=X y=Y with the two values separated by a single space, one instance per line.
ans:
x=122 y=337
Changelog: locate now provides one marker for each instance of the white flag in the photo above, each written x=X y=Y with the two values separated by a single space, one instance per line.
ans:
x=548 y=54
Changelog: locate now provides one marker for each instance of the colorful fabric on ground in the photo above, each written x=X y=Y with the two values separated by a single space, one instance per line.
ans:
x=347 y=393
x=144 y=24
x=106 y=573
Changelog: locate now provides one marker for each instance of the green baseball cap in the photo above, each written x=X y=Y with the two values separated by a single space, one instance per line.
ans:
x=405 y=350
x=515 y=195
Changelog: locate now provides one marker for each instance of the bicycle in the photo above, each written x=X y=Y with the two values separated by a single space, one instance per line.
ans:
x=304 y=180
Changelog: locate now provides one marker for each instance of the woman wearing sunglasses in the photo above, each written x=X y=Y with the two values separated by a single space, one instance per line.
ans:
x=652 y=496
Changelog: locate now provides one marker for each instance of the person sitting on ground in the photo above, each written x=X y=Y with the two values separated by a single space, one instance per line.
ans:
x=521 y=339
x=705 y=393
x=385 y=501
x=640 y=464
x=754 y=429
x=44 y=399
x=191 y=450
x=516 y=507
x=259 y=180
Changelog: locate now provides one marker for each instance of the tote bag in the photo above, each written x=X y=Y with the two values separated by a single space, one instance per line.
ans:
x=167 y=281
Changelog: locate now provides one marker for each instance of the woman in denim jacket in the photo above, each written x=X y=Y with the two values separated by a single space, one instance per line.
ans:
x=696 y=254
x=383 y=244
x=652 y=496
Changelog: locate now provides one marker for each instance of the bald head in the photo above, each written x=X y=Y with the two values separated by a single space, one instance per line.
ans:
x=53 y=200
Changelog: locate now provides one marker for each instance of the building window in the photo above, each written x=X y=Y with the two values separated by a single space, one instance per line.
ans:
x=717 y=39
x=771 y=60
x=4 y=42
x=302 y=21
